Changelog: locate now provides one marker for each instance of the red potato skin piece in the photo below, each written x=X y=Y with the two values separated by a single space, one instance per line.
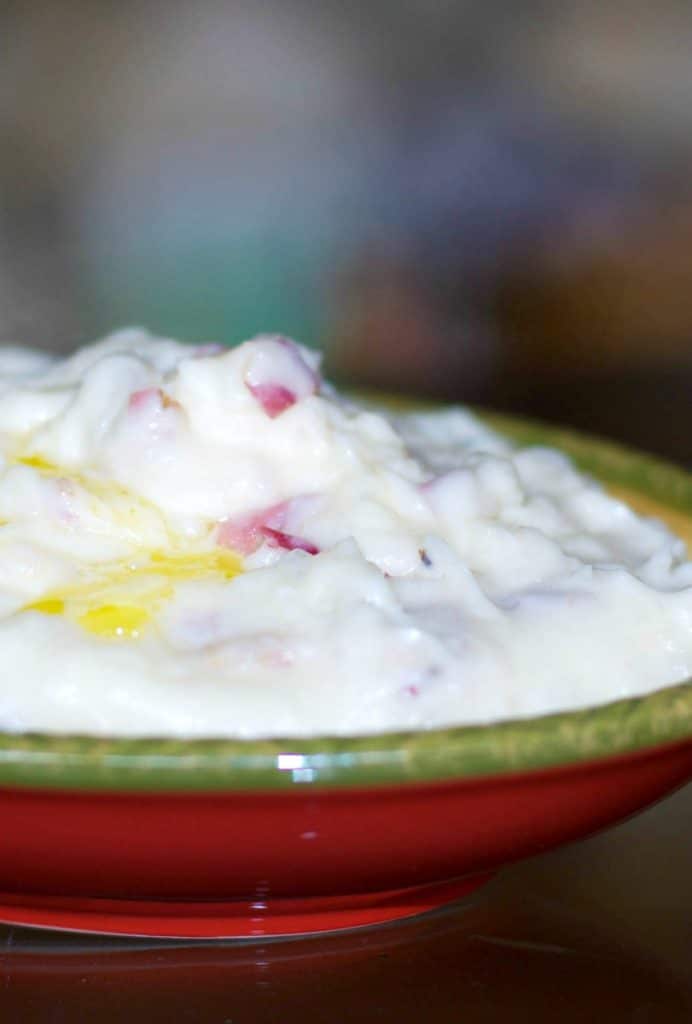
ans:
x=247 y=533
x=274 y=398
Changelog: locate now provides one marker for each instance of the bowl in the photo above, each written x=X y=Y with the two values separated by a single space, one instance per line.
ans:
x=276 y=838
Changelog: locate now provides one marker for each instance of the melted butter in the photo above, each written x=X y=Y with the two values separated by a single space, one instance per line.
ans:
x=115 y=620
x=38 y=462
x=128 y=511
x=121 y=598
x=48 y=606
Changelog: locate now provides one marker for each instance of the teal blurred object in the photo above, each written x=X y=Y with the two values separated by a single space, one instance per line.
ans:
x=220 y=290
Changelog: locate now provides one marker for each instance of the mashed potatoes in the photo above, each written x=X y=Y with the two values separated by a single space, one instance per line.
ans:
x=201 y=542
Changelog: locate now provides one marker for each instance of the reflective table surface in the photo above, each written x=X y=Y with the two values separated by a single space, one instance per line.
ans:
x=603 y=927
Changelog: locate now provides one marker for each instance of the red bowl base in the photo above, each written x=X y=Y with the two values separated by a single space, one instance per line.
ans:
x=236 y=919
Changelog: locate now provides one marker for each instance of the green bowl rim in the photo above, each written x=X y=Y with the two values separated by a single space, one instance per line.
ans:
x=516 y=745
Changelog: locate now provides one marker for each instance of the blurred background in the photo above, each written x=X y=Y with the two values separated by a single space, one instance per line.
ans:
x=486 y=202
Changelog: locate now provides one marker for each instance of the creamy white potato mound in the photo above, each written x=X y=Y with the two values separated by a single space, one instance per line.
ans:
x=201 y=542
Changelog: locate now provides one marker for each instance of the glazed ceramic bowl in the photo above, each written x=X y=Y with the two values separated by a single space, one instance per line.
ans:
x=219 y=838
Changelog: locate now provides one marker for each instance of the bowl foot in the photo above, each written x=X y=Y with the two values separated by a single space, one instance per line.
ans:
x=234 y=919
